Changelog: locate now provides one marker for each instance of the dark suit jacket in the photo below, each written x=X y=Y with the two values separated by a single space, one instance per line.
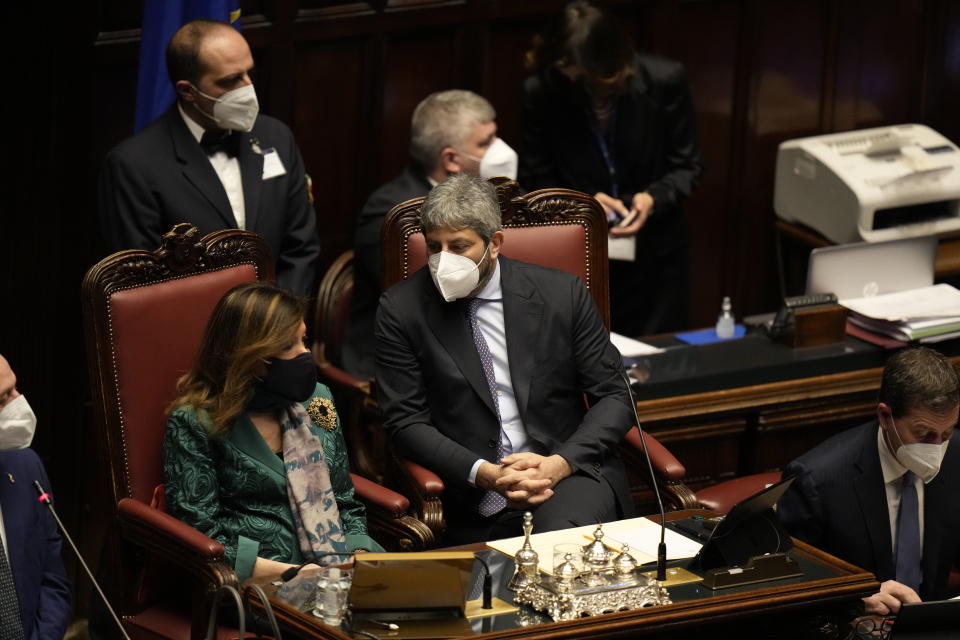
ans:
x=161 y=176
x=654 y=143
x=358 y=346
x=654 y=140
x=436 y=402
x=34 y=546
x=838 y=503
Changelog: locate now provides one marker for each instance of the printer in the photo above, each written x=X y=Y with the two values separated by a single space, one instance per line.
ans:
x=870 y=185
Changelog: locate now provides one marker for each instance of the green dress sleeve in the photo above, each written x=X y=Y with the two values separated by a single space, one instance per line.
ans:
x=192 y=489
x=353 y=514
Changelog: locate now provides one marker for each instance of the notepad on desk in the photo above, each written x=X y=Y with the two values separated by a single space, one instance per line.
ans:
x=642 y=536
x=630 y=348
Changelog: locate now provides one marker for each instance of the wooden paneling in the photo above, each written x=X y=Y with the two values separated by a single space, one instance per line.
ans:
x=346 y=74
x=415 y=64
x=329 y=118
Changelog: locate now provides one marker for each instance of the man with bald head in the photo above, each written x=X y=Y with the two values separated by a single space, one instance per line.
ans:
x=212 y=160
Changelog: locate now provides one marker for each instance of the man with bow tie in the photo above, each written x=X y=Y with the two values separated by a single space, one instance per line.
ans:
x=212 y=160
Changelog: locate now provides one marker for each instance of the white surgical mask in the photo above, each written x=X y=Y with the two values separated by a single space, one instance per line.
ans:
x=455 y=276
x=499 y=160
x=17 y=424
x=921 y=458
x=237 y=109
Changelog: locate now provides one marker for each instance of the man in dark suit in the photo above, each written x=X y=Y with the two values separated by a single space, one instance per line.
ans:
x=883 y=495
x=451 y=132
x=213 y=161
x=482 y=366
x=38 y=607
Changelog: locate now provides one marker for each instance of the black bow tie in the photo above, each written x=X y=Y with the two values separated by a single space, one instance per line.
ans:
x=226 y=141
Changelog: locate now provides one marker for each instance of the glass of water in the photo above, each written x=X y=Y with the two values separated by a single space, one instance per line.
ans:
x=333 y=587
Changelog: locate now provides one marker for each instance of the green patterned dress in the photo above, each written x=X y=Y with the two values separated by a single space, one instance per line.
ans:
x=234 y=489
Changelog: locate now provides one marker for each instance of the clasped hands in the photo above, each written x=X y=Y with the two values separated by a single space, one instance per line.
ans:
x=524 y=479
x=635 y=218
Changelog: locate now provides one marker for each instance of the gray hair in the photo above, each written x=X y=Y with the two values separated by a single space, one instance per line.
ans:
x=919 y=377
x=462 y=202
x=445 y=119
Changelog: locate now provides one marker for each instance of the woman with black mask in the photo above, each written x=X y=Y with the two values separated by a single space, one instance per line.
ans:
x=253 y=453
x=600 y=118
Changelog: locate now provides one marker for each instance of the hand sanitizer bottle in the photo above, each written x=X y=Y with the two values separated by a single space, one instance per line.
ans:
x=725 y=322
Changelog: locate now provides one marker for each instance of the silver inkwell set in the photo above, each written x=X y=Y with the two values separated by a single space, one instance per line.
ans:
x=586 y=580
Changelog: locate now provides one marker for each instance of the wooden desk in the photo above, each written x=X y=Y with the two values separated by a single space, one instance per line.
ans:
x=773 y=609
x=751 y=406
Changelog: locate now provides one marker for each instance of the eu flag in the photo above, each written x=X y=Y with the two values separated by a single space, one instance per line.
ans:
x=161 y=19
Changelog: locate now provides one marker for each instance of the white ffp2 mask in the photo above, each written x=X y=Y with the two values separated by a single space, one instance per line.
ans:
x=921 y=458
x=455 y=276
x=17 y=424
x=237 y=109
x=499 y=160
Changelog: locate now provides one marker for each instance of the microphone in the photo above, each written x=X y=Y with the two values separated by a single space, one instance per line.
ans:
x=487 y=584
x=662 y=547
x=45 y=499
x=292 y=572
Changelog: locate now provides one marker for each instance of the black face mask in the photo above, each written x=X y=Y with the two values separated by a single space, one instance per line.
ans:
x=285 y=383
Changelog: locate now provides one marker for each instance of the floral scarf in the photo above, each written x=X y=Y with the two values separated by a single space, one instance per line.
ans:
x=312 y=500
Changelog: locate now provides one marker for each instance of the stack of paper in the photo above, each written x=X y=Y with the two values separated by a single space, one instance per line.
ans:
x=927 y=314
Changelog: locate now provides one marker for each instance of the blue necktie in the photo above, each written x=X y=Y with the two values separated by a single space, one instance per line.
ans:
x=491 y=502
x=10 y=625
x=908 y=554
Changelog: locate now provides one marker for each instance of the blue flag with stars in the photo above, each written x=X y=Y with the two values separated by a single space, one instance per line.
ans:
x=161 y=19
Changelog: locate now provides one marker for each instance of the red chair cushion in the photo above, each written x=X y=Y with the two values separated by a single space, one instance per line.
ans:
x=156 y=332
x=561 y=246
x=721 y=497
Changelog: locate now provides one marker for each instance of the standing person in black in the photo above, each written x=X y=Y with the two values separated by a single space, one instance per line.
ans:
x=600 y=118
x=212 y=160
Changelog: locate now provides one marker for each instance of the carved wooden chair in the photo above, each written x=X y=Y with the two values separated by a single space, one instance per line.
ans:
x=557 y=228
x=358 y=409
x=145 y=313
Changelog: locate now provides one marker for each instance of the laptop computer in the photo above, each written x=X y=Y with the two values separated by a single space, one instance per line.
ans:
x=935 y=620
x=866 y=269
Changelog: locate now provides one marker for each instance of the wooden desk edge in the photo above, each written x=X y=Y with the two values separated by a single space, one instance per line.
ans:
x=854 y=584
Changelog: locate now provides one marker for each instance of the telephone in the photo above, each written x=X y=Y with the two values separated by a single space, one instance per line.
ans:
x=783 y=322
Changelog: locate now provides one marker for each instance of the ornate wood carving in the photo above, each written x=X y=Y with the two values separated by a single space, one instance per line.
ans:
x=182 y=252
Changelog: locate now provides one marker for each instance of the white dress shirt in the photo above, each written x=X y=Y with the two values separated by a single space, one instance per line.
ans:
x=3 y=537
x=892 y=480
x=228 y=170
x=493 y=327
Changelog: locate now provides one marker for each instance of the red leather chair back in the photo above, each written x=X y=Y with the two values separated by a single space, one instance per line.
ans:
x=556 y=228
x=145 y=314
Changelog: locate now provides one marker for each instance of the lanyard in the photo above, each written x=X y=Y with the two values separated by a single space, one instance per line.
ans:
x=607 y=151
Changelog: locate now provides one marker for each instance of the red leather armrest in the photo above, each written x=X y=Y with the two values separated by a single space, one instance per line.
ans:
x=144 y=518
x=722 y=496
x=663 y=461
x=430 y=484
x=379 y=496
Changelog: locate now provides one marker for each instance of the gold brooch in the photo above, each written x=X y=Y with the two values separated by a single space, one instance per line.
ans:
x=323 y=413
